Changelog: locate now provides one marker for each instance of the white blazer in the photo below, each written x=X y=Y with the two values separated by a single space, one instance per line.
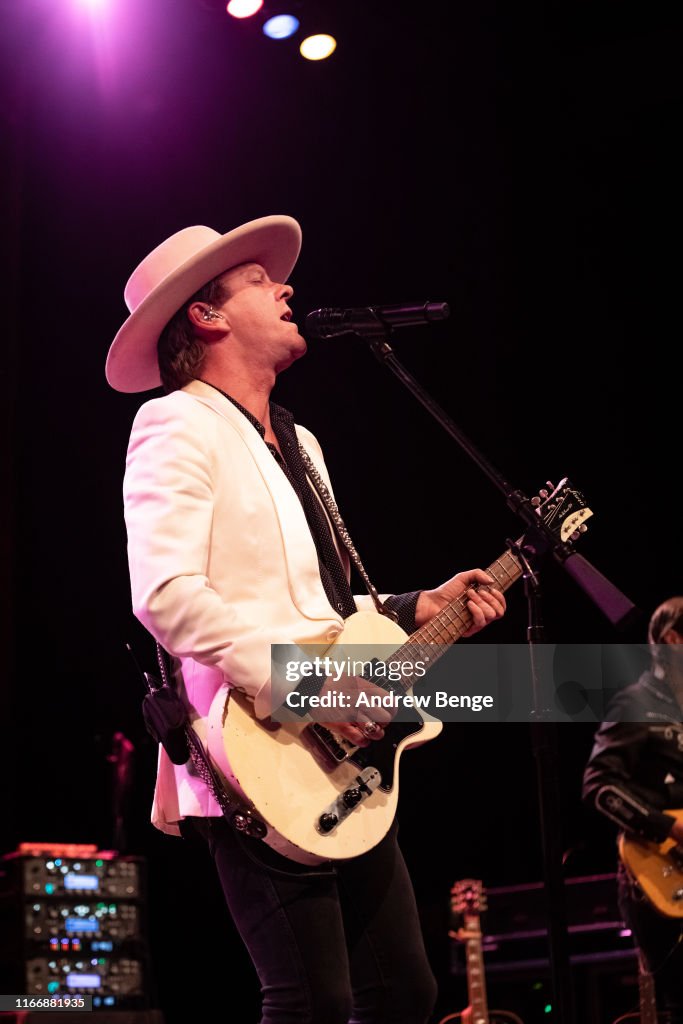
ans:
x=222 y=561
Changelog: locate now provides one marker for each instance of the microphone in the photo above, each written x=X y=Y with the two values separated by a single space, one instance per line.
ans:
x=372 y=321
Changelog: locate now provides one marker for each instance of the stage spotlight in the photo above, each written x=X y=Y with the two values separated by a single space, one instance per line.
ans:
x=281 y=26
x=244 y=8
x=317 y=47
x=93 y=5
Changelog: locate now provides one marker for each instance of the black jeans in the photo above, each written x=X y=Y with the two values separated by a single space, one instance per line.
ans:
x=660 y=940
x=335 y=944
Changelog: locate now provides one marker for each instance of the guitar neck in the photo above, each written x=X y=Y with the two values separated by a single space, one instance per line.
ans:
x=453 y=621
x=476 y=982
x=646 y=989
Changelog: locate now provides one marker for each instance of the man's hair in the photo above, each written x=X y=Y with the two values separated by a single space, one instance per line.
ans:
x=180 y=350
x=668 y=615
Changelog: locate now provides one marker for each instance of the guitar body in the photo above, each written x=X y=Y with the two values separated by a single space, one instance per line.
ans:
x=319 y=797
x=658 y=869
x=279 y=772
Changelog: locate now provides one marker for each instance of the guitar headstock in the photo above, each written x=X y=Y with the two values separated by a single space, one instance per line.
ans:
x=468 y=898
x=563 y=509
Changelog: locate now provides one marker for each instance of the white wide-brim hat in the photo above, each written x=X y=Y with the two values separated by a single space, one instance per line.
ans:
x=178 y=268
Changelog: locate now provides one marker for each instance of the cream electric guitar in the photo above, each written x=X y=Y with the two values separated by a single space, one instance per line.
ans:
x=319 y=797
x=468 y=901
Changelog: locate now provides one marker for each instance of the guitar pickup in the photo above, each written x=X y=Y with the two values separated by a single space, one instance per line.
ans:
x=676 y=855
x=324 y=745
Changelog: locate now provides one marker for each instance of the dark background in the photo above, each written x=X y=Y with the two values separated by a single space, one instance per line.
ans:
x=519 y=161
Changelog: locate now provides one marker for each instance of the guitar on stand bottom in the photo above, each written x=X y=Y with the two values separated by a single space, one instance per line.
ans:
x=468 y=901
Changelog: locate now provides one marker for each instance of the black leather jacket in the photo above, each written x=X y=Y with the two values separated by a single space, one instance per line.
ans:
x=635 y=770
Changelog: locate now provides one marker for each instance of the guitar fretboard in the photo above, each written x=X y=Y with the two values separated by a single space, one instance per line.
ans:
x=476 y=983
x=429 y=642
x=646 y=987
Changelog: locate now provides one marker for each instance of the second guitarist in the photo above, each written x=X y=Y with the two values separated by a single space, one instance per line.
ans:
x=634 y=776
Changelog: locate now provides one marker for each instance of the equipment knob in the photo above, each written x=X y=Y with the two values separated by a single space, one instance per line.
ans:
x=352 y=796
x=327 y=822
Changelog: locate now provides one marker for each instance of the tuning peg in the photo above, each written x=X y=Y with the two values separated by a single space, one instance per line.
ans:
x=583 y=528
x=543 y=493
x=549 y=484
x=536 y=501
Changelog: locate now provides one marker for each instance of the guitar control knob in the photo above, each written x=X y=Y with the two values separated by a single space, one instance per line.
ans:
x=352 y=796
x=326 y=822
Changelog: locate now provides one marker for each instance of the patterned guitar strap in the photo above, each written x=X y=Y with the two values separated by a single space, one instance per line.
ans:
x=240 y=816
x=342 y=533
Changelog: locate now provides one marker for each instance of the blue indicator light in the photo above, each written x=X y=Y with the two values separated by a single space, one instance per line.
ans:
x=81 y=882
x=80 y=924
x=83 y=980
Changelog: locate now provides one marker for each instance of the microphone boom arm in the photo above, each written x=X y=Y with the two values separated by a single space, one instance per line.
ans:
x=539 y=537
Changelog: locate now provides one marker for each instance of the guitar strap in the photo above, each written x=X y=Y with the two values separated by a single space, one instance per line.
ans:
x=167 y=721
x=341 y=531
x=166 y=716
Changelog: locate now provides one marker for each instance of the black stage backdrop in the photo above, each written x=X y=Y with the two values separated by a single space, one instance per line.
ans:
x=518 y=161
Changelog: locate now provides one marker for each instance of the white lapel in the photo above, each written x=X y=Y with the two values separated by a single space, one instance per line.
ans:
x=300 y=552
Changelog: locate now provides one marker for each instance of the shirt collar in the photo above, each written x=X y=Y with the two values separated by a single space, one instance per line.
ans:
x=279 y=415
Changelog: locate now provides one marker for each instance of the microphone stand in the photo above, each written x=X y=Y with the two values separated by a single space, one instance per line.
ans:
x=537 y=540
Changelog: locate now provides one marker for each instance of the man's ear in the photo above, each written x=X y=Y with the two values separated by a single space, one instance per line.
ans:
x=206 y=318
x=671 y=636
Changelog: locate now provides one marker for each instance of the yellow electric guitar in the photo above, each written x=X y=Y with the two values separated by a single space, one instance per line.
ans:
x=318 y=797
x=658 y=869
x=468 y=902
